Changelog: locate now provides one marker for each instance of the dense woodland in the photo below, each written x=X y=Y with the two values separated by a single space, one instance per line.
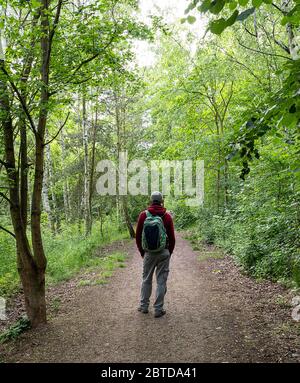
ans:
x=72 y=94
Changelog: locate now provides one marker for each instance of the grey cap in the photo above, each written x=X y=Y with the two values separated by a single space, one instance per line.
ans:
x=156 y=196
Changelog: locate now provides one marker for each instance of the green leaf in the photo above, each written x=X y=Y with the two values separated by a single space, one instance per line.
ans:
x=244 y=15
x=284 y=20
x=232 y=5
x=231 y=20
x=216 y=6
x=243 y=2
x=217 y=26
x=191 y=6
x=257 y=3
x=204 y=7
x=268 y=1
x=191 y=19
x=183 y=20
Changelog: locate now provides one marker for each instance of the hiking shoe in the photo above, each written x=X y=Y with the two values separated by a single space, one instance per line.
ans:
x=159 y=314
x=142 y=310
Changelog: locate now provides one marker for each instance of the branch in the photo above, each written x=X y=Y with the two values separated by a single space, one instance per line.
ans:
x=23 y=104
x=279 y=9
x=3 y=163
x=73 y=83
x=6 y=198
x=279 y=43
x=94 y=56
x=250 y=33
x=263 y=53
x=233 y=59
x=55 y=23
x=59 y=130
x=7 y=231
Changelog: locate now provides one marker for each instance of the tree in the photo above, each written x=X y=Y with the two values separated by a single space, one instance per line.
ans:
x=35 y=79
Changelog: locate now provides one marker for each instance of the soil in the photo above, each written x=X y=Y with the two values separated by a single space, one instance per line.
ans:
x=215 y=313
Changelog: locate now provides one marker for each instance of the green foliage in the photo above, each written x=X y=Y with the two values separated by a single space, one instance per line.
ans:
x=184 y=216
x=67 y=253
x=15 y=330
x=256 y=219
x=281 y=113
x=9 y=280
x=289 y=13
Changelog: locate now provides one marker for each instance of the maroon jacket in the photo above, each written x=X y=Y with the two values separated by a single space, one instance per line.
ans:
x=155 y=209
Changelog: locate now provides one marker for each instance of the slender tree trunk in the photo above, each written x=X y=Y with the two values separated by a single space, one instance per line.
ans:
x=92 y=167
x=65 y=180
x=45 y=197
x=120 y=124
x=23 y=127
x=226 y=179
x=127 y=217
x=293 y=44
x=23 y=171
x=53 y=204
x=218 y=165
x=86 y=181
x=101 y=221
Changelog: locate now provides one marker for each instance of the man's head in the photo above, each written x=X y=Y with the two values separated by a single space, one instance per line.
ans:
x=156 y=197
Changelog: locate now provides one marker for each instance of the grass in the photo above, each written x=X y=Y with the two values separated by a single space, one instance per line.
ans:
x=105 y=268
x=15 y=330
x=67 y=253
x=211 y=254
x=205 y=251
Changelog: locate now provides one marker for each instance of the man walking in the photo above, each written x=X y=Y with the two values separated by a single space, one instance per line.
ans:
x=155 y=239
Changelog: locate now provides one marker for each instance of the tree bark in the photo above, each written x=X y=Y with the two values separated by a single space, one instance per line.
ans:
x=65 y=182
x=92 y=167
x=86 y=181
x=30 y=273
x=45 y=197
x=53 y=204
x=127 y=217
x=121 y=124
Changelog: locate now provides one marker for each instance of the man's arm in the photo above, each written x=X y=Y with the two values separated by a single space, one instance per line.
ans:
x=170 y=233
x=138 y=234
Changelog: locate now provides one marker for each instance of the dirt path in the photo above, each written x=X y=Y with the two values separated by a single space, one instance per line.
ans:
x=214 y=314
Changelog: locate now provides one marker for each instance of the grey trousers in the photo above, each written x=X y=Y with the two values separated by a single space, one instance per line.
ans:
x=159 y=262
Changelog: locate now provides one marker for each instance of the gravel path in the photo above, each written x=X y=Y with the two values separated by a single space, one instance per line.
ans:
x=214 y=314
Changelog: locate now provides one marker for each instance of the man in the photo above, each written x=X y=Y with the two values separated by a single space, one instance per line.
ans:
x=158 y=260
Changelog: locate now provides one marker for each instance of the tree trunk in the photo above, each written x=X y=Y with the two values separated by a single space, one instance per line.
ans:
x=45 y=198
x=92 y=168
x=31 y=262
x=32 y=273
x=53 y=203
x=33 y=282
x=65 y=182
x=127 y=217
x=292 y=42
x=101 y=222
x=226 y=179
x=86 y=188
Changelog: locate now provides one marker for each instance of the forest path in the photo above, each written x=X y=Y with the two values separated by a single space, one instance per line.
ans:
x=214 y=314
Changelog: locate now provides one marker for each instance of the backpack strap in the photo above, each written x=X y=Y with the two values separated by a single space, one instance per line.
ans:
x=148 y=214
